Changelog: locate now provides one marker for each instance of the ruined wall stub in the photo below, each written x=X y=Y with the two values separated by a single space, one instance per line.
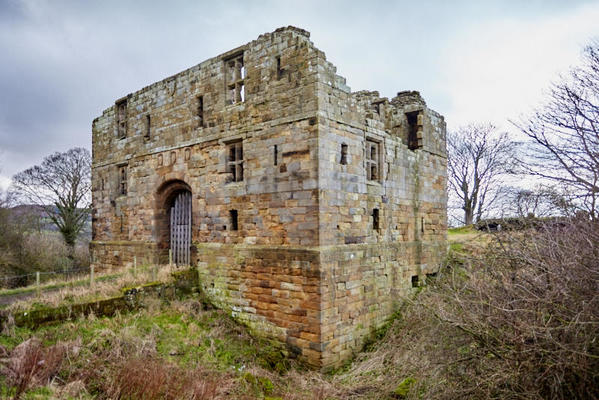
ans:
x=313 y=208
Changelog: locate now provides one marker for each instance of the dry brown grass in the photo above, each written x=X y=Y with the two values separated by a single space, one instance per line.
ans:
x=153 y=379
x=101 y=289
x=30 y=364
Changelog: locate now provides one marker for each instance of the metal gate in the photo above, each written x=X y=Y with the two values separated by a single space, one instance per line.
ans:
x=181 y=229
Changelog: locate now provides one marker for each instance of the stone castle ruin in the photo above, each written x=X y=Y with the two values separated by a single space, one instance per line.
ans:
x=308 y=209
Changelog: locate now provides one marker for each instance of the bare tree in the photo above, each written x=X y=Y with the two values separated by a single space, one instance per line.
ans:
x=479 y=157
x=564 y=134
x=61 y=186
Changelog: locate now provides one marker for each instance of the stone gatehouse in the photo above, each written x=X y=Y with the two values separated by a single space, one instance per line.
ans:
x=307 y=208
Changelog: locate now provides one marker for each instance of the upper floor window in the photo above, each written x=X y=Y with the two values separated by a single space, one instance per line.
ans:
x=201 y=111
x=235 y=160
x=148 y=127
x=372 y=160
x=121 y=119
x=234 y=79
x=343 y=160
x=414 y=127
x=123 y=179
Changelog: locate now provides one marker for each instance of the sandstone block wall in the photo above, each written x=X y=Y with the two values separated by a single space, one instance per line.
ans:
x=308 y=260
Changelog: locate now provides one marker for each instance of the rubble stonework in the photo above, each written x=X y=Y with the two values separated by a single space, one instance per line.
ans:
x=336 y=209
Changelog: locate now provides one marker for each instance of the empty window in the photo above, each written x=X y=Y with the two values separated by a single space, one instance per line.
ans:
x=123 y=180
x=234 y=79
x=276 y=154
x=201 y=111
x=343 y=160
x=121 y=119
x=414 y=280
x=148 y=126
x=413 y=140
x=234 y=222
x=279 y=70
x=372 y=160
x=235 y=161
x=422 y=224
x=377 y=108
x=375 y=219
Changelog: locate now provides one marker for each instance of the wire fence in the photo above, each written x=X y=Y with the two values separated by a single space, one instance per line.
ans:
x=41 y=277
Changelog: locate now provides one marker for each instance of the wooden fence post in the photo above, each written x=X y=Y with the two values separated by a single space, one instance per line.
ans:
x=170 y=258
x=134 y=265
x=91 y=276
x=154 y=273
x=37 y=283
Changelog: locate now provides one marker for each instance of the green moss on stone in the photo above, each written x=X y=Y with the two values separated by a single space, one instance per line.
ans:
x=404 y=387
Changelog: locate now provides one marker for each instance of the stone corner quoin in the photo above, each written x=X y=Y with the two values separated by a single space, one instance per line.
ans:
x=307 y=208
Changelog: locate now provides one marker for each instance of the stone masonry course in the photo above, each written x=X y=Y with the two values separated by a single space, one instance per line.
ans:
x=308 y=209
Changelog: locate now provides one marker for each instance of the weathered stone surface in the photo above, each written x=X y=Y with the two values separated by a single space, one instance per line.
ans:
x=341 y=200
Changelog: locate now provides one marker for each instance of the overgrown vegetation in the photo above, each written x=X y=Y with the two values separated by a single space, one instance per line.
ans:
x=516 y=318
x=518 y=321
x=26 y=246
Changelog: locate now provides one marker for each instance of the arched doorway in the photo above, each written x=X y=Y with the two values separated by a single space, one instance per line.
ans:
x=174 y=221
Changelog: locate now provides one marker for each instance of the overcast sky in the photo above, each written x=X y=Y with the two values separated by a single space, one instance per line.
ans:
x=63 y=62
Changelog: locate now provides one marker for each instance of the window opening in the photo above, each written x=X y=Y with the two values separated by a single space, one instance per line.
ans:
x=375 y=219
x=121 y=119
x=422 y=224
x=201 y=110
x=235 y=161
x=148 y=126
x=343 y=160
x=276 y=154
x=234 y=221
x=123 y=180
x=413 y=142
x=234 y=79
x=414 y=280
x=279 y=70
x=372 y=160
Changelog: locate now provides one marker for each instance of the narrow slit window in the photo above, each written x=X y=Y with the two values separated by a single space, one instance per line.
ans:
x=376 y=219
x=343 y=160
x=235 y=161
x=372 y=160
x=201 y=111
x=279 y=70
x=123 y=180
x=422 y=224
x=234 y=221
x=148 y=126
x=235 y=79
x=121 y=119
x=276 y=154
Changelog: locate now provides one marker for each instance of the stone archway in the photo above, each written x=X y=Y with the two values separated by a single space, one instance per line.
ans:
x=174 y=222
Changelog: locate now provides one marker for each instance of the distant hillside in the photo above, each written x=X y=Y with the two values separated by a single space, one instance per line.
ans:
x=41 y=221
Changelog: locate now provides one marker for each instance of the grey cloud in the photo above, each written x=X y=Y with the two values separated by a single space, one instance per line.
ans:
x=63 y=62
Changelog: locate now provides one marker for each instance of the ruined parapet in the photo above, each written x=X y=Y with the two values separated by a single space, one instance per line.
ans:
x=408 y=98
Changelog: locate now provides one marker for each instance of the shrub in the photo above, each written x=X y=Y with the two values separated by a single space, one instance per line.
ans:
x=154 y=379
x=529 y=308
x=517 y=321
